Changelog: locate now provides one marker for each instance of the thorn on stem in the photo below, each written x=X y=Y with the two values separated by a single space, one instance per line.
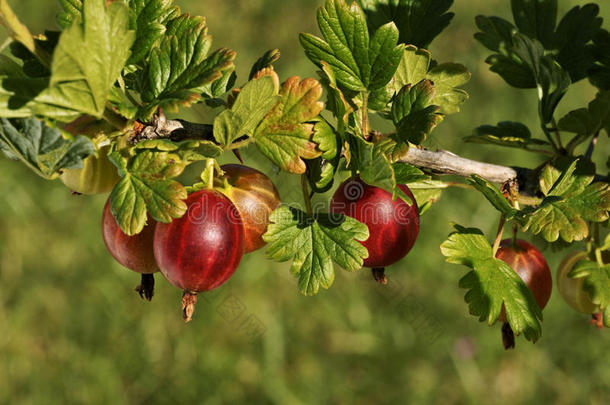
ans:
x=237 y=154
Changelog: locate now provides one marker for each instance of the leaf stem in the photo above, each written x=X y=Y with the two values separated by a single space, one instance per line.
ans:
x=365 y=114
x=6 y=43
x=499 y=235
x=527 y=200
x=306 y=197
x=591 y=147
x=21 y=33
x=240 y=144
x=555 y=130
x=541 y=151
x=210 y=164
x=599 y=258
x=114 y=119
x=549 y=137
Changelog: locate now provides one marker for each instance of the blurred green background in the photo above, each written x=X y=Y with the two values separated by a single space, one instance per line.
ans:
x=72 y=331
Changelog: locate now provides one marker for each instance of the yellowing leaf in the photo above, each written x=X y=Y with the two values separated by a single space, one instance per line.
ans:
x=285 y=135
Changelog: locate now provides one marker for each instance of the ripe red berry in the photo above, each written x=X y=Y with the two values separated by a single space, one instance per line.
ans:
x=134 y=252
x=393 y=223
x=255 y=197
x=201 y=250
x=533 y=269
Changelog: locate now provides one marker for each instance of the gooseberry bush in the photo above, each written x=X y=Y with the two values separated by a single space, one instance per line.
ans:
x=86 y=104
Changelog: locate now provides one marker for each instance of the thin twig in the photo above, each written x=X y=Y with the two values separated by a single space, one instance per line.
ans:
x=592 y=145
x=499 y=235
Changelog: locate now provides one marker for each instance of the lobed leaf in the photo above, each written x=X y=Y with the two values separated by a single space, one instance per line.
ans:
x=41 y=148
x=446 y=79
x=285 y=135
x=146 y=185
x=179 y=67
x=494 y=196
x=596 y=281
x=573 y=40
x=371 y=161
x=359 y=62
x=492 y=284
x=86 y=62
x=148 y=19
x=418 y=21
x=586 y=122
x=314 y=244
x=536 y=19
x=570 y=202
x=505 y=133
x=254 y=101
x=413 y=113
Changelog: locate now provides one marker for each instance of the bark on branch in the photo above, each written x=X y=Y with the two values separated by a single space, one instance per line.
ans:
x=438 y=162
x=444 y=162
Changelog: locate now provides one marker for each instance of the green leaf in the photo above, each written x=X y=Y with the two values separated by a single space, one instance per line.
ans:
x=252 y=104
x=72 y=10
x=413 y=114
x=314 y=244
x=599 y=74
x=569 y=203
x=525 y=65
x=146 y=185
x=23 y=97
x=265 y=61
x=492 y=284
x=406 y=173
x=32 y=65
x=494 y=196
x=148 y=19
x=446 y=78
x=89 y=57
x=360 y=63
x=413 y=67
x=506 y=133
x=496 y=33
x=554 y=82
x=18 y=31
x=596 y=281
x=326 y=138
x=189 y=151
x=179 y=67
x=321 y=173
x=536 y=19
x=586 y=122
x=498 y=36
x=372 y=162
x=86 y=62
x=573 y=39
x=427 y=193
x=336 y=100
x=418 y=21
x=41 y=148
x=285 y=135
